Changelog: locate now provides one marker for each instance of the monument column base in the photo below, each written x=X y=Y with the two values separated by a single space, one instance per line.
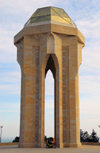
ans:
x=30 y=145
x=72 y=145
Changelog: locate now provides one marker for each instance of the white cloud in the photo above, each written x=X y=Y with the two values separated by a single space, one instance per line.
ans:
x=90 y=107
x=6 y=39
x=49 y=84
x=90 y=27
x=13 y=107
x=89 y=85
x=10 y=83
x=10 y=89
x=10 y=77
x=49 y=104
x=24 y=6
x=90 y=114
x=8 y=51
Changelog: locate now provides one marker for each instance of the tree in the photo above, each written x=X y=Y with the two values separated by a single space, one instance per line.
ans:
x=94 y=137
x=85 y=137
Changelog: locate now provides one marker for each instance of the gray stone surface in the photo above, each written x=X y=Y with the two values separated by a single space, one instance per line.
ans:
x=84 y=149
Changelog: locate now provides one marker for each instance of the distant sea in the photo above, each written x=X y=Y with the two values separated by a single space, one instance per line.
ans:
x=11 y=139
x=7 y=140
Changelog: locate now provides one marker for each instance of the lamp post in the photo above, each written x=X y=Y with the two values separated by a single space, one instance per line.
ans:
x=0 y=132
x=99 y=137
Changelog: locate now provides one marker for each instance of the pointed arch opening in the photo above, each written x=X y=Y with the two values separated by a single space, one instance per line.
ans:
x=49 y=104
x=50 y=77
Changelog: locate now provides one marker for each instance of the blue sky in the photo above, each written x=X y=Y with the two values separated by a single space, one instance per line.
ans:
x=13 y=15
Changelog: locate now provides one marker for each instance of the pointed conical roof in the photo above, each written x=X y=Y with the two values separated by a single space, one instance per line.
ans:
x=51 y=14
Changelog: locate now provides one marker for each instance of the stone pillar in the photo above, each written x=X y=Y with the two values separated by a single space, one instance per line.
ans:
x=28 y=130
x=74 y=95
x=71 y=63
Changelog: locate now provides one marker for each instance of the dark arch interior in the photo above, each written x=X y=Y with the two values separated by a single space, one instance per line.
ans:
x=50 y=66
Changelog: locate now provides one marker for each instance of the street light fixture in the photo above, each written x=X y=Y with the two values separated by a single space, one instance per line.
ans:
x=99 y=137
x=0 y=132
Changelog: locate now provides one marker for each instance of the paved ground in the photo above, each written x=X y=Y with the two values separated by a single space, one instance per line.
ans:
x=84 y=149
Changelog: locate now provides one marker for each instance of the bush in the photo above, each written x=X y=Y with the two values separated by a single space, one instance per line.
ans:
x=16 y=139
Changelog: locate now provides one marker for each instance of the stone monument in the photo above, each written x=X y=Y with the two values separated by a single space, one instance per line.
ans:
x=49 y=40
